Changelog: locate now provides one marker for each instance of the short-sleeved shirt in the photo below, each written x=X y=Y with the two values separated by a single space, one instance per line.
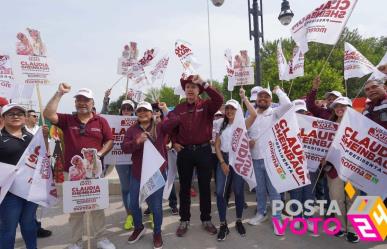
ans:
x=97 y=133
x=225 y=136
x=11 y=147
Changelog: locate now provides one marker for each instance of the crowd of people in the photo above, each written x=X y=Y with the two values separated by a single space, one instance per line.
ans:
x=199 y=132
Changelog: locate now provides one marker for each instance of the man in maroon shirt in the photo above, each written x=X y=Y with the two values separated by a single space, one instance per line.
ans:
x=376 y=109
x=84 y=129
x=192 y=142
x=317 y=111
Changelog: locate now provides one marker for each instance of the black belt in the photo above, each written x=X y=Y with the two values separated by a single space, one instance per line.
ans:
x=196 y=146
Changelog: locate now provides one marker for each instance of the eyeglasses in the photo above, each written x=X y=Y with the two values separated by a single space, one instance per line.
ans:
x=35 y=116
x=15 y=114
x=127 y=109
x=82 y=129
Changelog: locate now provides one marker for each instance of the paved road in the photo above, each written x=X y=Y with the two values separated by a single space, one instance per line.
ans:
x=260 y=237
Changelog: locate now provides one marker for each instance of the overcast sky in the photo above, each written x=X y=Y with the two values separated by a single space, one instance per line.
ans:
x=84 y=38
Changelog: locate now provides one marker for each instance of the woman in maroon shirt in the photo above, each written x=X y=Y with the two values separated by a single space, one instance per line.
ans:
x=147 y=128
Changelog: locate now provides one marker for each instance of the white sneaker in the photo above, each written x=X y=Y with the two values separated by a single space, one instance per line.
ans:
x=105 y=244
x=311 y=229
x=77 y=245
x=257 y=219
x=276 y=232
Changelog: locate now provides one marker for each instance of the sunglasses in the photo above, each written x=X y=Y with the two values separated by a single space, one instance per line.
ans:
x=35 y=116
x=82 y=129
x=15 y=114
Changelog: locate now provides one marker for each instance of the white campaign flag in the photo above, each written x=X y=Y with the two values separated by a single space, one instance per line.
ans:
x=316 y=135
x=284 y=155
x=172 y=172
x=282 y=64
x=239 y=155
x=159 y=70
x=34 y=180
x=296 y=64
x=324 y=24
x=184 y=52
x=7 y=176
x=359 y=153
x=380 y=75
x=151 y=177
x=355 y=64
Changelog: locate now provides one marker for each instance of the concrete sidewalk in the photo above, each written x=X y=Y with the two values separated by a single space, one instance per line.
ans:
x=260 y=237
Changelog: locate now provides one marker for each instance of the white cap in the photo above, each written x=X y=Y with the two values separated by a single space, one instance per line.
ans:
x=145 y=105
x=128 y=102
x=341 y=100
x=266 y=90
x=336 y=93
x=218 y=113
x=86 y=92
x=233 y=103
x=254 y=93
x=10 y=106
x=299 y=104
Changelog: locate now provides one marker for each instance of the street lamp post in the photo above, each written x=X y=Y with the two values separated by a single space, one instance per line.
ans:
x=255 y=11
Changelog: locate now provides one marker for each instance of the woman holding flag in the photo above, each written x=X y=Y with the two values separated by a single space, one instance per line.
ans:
x=335 y=184
x=14 y=210
x=145 y=129
x=225 y=173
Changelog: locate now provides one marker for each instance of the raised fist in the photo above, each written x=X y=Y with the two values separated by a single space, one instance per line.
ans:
x=64 y=88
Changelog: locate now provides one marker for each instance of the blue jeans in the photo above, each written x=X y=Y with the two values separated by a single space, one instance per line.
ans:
x=14 y=210
x=304 y=193
x=263 y=186
x=222 y=181
x=154 y=201
x=123 y=171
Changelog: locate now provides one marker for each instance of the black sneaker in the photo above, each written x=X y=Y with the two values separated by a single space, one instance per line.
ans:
x=240 y=228
x=352 y=237
x=223 y=232
x=245 y=206
x=174 y=210
x=147 y=212
x=43 y=233
x=339 y=234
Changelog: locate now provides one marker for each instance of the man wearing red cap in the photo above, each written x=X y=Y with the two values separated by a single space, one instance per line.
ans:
x=192 y=142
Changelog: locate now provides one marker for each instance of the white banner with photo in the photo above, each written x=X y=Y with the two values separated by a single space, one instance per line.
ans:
x=85 y=195
x=119 y=126
x=7 y=80
x=359 y=153
x=31 y=60
x=284 y=155
x=324 y=24
x=316 y=136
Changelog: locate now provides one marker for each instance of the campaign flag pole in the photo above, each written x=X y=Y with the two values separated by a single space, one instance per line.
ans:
x=346 y=88
x=88 y=229
x=116 y=82
x=127 y=88
x=40 y=104
x=327 y=59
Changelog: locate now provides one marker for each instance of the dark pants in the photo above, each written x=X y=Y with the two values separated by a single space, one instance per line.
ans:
x=172 y=197
x=187 y=159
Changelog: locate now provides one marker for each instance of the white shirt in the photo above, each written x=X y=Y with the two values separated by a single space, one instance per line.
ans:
x=265 y=120
x=225 y=136
x=32 y=130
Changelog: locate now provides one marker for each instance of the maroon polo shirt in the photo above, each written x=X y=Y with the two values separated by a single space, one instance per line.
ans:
x=196 y=119
x=130 y=146
x=97 y=133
